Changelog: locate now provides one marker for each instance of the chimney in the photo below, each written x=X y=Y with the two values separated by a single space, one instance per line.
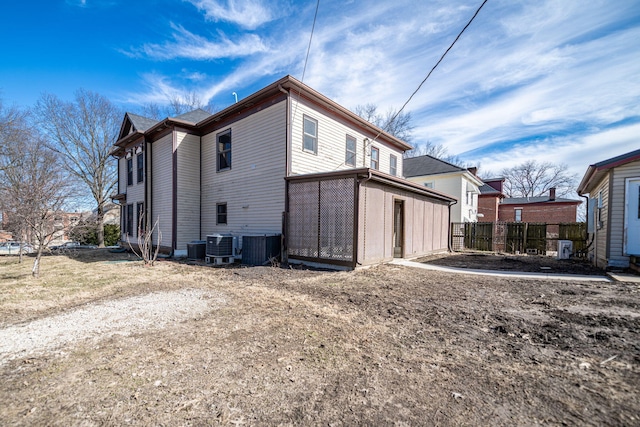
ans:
x=474 y=171
x=552 y=193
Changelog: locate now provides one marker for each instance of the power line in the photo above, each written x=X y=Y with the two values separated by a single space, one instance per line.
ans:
x=306 y=59
x=433 y=68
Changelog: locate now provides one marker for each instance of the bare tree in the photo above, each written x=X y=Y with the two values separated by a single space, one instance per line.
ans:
x=176 y=105
x=83 y=133
x=534 y=179
x=34 y=189
x=398 y=125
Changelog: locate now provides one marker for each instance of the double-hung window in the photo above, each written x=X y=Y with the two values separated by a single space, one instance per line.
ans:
x=129 y=222
x=350 y=151
x=310 y=135
x=224 y=150
x=221 y=213
x=140 y=165
x=518 y=215
x=375 y=158
x=129 y=171
x=393 y=165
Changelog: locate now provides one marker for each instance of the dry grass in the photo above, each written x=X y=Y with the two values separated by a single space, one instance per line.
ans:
x=383 y=346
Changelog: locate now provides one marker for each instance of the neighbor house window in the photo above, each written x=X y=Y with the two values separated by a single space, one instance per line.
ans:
x=221 y=213
x=129 y=223
x=224 y=150
x=350 y=151
x=310 y=142
x=428 y=184
x=375 y=158
x=129 y=171
x=140 y=169
x=518 y=215
x=393 y=165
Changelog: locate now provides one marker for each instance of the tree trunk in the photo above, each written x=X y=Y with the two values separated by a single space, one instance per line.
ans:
x=35 y=271
x=100 y=225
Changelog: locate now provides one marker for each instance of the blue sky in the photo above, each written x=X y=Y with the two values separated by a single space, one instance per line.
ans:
x=551 y=80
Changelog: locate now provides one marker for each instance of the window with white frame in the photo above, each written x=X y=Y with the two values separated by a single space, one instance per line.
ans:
x=224 y=150
x=393 y=165
x=310 y=135
x=518 y=214
x=350 y=151
x=375 y=158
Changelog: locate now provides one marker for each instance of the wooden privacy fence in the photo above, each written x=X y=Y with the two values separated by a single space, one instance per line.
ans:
x=518 y=237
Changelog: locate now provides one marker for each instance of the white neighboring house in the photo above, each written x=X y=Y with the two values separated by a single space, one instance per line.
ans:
x=459 y=183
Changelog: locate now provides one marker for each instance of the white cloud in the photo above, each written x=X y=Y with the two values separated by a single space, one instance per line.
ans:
x=539 y=79
x=187 y=45
x=248 y=14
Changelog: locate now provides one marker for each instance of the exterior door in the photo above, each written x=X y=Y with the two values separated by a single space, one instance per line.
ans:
x=398 y=228
x=632 y=216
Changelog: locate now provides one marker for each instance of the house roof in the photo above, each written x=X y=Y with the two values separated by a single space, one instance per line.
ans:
x=194 y=116
x=200 y=120
x=428 y=165
x=290 y=85
x=596 y=171
x=532 y=200
x=140 y=123
x=375 y=175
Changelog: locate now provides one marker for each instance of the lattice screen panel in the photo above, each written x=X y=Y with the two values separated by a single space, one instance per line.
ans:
x=304 y=206
x=336 y=219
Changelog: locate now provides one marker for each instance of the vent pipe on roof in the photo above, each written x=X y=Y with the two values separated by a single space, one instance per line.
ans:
x=235 y=95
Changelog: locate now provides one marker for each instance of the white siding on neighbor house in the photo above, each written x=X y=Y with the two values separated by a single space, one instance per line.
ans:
x=254 y=187
x=162 y=188
x=617 y=257
x=332 y=136
x=188 y=189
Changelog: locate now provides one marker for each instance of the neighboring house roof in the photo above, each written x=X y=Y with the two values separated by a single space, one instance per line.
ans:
x=531 y=200
x=486 y=189
x=596 y=171
x=428 y=165
x=194 y=116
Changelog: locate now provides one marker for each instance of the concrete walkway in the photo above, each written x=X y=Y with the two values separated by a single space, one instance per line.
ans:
x=500 y=273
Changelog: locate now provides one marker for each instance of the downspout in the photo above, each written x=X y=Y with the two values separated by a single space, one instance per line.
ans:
x=586 y=229
x=287 y=172
x=174 y=195
x=449 y=235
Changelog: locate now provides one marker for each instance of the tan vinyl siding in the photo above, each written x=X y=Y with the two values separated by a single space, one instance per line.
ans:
x=254 y=187
x=426 y=224
x=599 y=246
x=188 y=185
x=332 y=134
x=618 y=208
x=135 y=194
x=162 y=188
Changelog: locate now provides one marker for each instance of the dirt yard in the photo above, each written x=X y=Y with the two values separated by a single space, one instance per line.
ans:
x=185 y=345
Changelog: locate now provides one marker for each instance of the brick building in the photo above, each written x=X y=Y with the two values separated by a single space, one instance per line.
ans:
x=489 y=199
x=549 y=209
